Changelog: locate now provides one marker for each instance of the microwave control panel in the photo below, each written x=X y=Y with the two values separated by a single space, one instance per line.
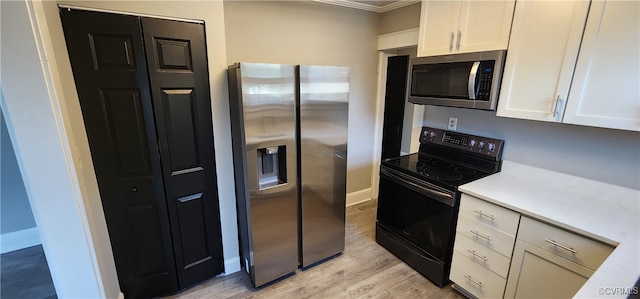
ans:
x=469 y=143
x=484 y=79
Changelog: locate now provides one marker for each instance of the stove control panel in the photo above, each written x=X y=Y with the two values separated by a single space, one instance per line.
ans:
x=471 y=143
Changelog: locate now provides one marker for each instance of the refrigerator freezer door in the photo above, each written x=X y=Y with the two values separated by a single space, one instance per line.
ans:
x=324 y=107
x=262 y=101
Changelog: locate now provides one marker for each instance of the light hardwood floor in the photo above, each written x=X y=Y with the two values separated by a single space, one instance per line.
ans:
x=364 y=270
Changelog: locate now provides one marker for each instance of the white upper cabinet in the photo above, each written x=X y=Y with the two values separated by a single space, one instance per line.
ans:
x=605 y=92
x=463 y=26
x=565 y=66
x=542 y=53
x=438 y=27
x=485 y=25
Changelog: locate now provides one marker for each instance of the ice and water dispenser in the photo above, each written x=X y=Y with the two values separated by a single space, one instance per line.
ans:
x=272 y=166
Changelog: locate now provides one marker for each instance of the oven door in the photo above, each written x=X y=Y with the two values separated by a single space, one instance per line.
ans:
x=421 y=213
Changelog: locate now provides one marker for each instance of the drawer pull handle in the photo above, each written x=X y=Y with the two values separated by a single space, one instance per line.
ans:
x=473 y=280
x=482 y=257
x=485 y=215
x=567 y=248
x=481 y=235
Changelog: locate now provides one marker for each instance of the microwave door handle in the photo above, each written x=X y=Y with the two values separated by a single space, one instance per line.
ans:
x=471 y=86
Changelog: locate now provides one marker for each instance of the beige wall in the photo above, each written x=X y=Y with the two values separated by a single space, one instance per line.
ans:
x=305 y=32
x=403 y=18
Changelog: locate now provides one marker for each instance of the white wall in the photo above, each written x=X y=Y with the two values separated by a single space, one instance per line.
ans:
x=611 y=156
x=17 y=226
x=14 y=206
x=305 y=32
x=43 y=115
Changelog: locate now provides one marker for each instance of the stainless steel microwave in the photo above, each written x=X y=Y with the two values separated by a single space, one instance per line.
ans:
x=468 y=80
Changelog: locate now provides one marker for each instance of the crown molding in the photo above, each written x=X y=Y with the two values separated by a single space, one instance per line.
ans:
x=397 y=4
x=369 y=7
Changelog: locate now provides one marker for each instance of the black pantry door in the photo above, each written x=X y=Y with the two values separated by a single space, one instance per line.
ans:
x=144 y=93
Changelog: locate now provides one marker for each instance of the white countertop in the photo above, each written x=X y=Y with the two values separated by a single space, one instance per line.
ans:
x=602 y=211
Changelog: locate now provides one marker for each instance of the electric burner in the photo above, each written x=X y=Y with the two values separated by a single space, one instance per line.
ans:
x=465 y=170
x=442 y=174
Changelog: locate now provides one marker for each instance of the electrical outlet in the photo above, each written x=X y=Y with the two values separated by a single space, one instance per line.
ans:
x=453 y=123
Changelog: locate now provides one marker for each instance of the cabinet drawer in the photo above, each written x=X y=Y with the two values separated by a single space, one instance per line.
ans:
x=482 y=255
x=489 y=214
x=475 y=279
x=485 y=235
x=576 y=248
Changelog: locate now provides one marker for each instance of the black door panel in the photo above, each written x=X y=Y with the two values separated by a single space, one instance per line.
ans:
x=177 y=64
x=125 y=128
x=394 y=102
x=109 y=67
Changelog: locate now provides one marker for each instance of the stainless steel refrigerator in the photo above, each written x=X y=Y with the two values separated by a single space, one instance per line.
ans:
x=289 y=131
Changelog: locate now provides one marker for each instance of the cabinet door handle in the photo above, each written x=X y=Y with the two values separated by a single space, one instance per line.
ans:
x=481 y=235
x=557 y=106
x=458 y=41
x=482 y=257
x=478 y=283
x=451 y=42
x=485 y=215
x=567 y=248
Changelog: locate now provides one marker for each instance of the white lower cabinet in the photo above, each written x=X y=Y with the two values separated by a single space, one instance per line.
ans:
x=493 y=239
x=482 y=255
x=548 y=256
x=546 y=261
x=485 y=235
x=476 y=279
x=565 y=244
x=537 y=273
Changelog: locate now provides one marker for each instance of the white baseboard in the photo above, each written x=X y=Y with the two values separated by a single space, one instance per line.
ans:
x=20 y=239
x=359 y=196
x=231 y=265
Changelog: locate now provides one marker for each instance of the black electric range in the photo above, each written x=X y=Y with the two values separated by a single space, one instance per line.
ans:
x=418 y=201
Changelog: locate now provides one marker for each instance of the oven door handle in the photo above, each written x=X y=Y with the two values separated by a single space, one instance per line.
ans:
x=446 y=198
